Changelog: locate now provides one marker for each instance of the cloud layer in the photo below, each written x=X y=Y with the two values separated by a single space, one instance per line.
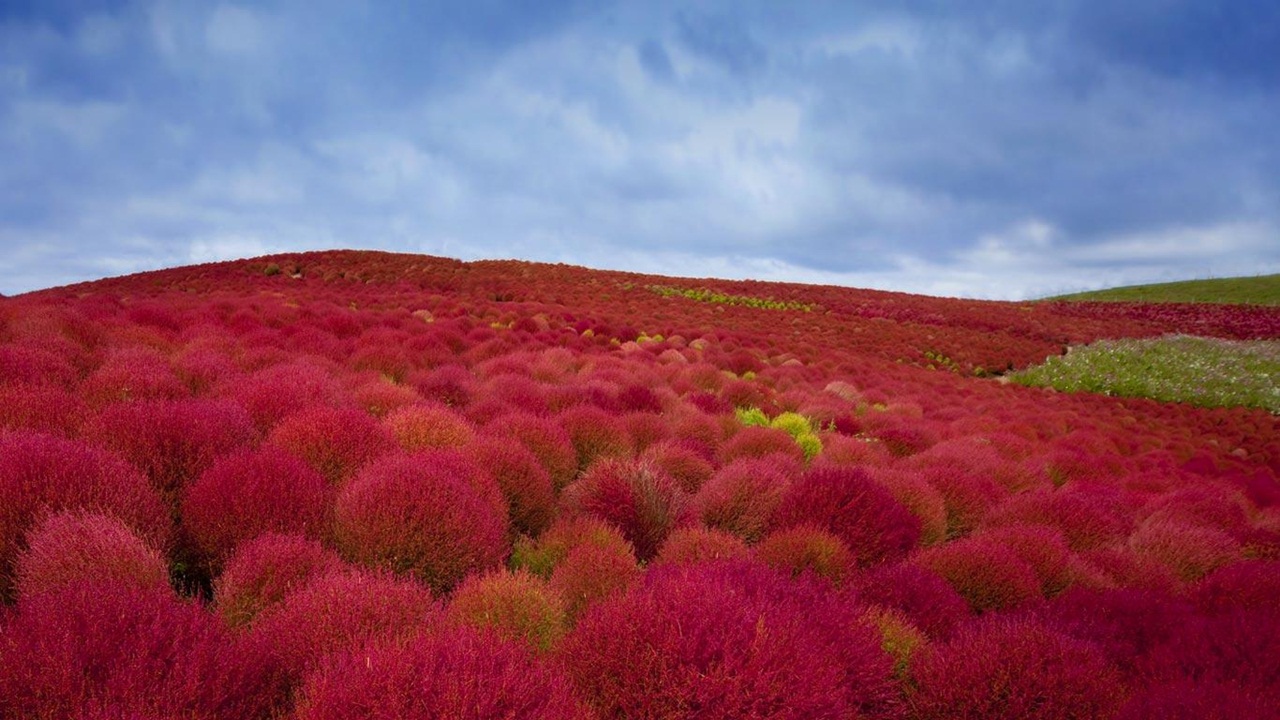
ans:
x=1005 y=152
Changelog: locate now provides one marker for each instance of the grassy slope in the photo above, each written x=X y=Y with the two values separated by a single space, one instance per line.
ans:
x=1258 y=290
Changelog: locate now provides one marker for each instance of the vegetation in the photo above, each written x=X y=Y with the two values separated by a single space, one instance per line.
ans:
x=1201 y=371
x=711 y=296
x=1256 y=290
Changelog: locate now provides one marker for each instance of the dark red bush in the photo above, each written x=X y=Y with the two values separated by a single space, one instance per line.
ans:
x=847 y=502
x=427 y=427
x=921 y=595
x=635 y=496
x=264 y=570
x=759 y=442
x=697 y=544
x=546 y=439
x=525 y=483
x=727 y=640
x=517 y=605
x=420 y=515
x=457 y=673
x=595 y=434
x=989 y=576
x=132 y=373
x=682 y=462
x=807 y=549
x=1013 y=668
x=74 y=546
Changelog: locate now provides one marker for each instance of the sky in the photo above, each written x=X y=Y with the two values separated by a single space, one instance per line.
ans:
x=1003 y=149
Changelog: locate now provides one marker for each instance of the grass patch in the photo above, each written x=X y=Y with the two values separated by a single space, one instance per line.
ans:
x=1258 y=290
x=1176 y=368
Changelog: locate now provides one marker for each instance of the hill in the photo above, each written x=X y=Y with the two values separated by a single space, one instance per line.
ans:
x=308 y=485
x=1256 y=290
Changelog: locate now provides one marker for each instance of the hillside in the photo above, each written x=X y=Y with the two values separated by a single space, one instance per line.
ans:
x=304 y=485
x=1256 y=290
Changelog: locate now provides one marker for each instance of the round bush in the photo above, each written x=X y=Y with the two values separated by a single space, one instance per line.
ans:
x=1013 y=668
x=1187 y=550
x=526 y=485
x=742 y=496
x=419 y=515
x=727 y=640
x=252 y=492
x=682 y=462
x=806 y=549
x=517 y=605
x=921 y=595
x=424 y=427
x=590 y=573
x=456 y=673
x=759 y=442
x=698 y=544
x=541 y=556
x=337 y=442
x=73 y=546
x=546 y=439
x=264 y=570
x=635 y=496
x=987 y=575
x=847 y=502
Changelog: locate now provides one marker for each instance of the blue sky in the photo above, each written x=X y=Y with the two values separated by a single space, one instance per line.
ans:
x=1001 y=149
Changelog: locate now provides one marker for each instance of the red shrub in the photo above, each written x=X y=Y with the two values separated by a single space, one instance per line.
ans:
x=1086 y=521
x=112 y=650
x=805 y=549
x=682 y=462
x=742 y=496
x=27 y=365
x=637 y=497
x=1187 y=700
x=426 y=427
x=589 y=573
x=727 y=640
x=526 y=485
x=989 y=576
x=41 y=475
x=691 y=545
x=1126 y=624
x=132 y=373
x=1042 y=548
x=452 y=385
x=49 y=410
x=645 y=429
x=172 y=441
x=1250 y=585
x=1240 y=647
x=458 y=673
x=855 y=508
x=1013 y=669
x=340 y=612
x=419 y=514
x=595 y=434
x=1206 y=505
x=516 y=605
x=73 y=546
x=264 y=570
x=547 y=440
x=921 y=595
x=1189 y=551
x=252 y=492
x=759 y=442
x=336 y=442
x=273 y=393
x=379 y=397
x=542 y=555
x=917 y=496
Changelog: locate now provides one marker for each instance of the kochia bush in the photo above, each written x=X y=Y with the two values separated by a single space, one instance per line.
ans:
x=264 y=570
x=421 y=515
x=637 y=497
x=337 y=442
x=75 y=546
x=516 y=605
x=741 y=497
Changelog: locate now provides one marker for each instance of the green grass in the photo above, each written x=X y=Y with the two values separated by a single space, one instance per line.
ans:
x=1177 y=368
x=1258 y=290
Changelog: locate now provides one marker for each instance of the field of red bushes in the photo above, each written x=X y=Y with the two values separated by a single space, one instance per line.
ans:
x=357 y=484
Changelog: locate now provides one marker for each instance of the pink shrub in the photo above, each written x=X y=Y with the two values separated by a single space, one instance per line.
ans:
x=418 y=515
x=272 y=393
x=921 y=595
x=132 y=373
x=1125 y=568
x=645 y=429
x=635 y=496
x=1189 y=551
x=50 y=410
x=1085 y=520
x=1013 y=669
x=742 y=496
x=1251 y=585
x=379 y=397
x=457 y=673
x=595 y=435
x=516 y=605
x=336 y=442
x=427 y=427
x=542 y=555
x=1186 y=700
x=172 y=441
x=252 y=492
x=451 y=385
x=989 y=576
x=691 y=545
x=682 y=462
x=1126 y=624
x=727 y=640
x=847 y=502
x=546 y=439
x=805 y=549
x=967 y=496
x=526 y=485
x=112 y=650
x=41 y=475
x=917 y=496
x=340 y=612
x=759 y=442
x=589 y=573
x=1042 y=548
x=68 y=547
x=1240 y=647
x=26 y=365
x=264 y=570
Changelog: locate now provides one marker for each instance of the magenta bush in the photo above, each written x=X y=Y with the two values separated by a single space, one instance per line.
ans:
x=456 y=673
x=337 y=442
x=741 y=497
x=1086 y=519
x=132 y=373
x=861 y=512
x=546 y=439
x=595 y=434
x=689 y=545
x=759 y=442
x=1187 y=700
x=1013 y=668
x=421 y=515
x=252 y=492
x=74 y=546
x=262 y=571
x=807 y=550
x=989 y=576
x=727 y=640
x=682 y=461
x=921 y=595
x=113 y=650
x=1127 y=624
x=525 y=483
x=635 y=496
x=41 y=475
x=591 y=572
x=50 y=410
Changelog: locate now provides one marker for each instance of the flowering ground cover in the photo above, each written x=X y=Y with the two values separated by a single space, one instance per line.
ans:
x=339 y=484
